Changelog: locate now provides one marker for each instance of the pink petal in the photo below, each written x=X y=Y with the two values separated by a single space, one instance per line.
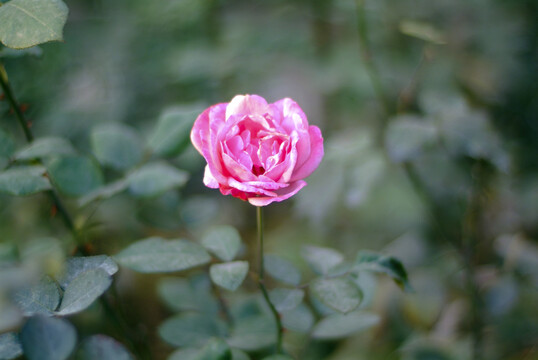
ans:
x=250 y=189
x=239 y=171
x=316 y=154
x=247 y=105
x=209 y=179
x=281 y=194
x=212 y=113
x=289 y=114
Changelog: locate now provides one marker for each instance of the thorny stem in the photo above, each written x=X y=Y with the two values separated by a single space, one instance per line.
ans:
x=116 y=316
x=259 y=216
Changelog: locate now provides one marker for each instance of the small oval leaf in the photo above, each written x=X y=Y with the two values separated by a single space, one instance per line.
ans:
x=24 y=180
x=223 y=241
x=321 y=259
x=340 y=294
x=281 y=269
x=155 y=179
x=337 y=326
x=116 y=145
x=229 y=275
x=47 y=338
x=102 y=347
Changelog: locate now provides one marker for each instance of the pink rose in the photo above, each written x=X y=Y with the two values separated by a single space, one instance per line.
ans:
x=257 y=151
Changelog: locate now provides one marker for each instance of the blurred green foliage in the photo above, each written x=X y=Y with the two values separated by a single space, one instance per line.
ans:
x=442 y=173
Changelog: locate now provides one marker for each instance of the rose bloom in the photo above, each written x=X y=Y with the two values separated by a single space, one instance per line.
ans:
x=257 y=151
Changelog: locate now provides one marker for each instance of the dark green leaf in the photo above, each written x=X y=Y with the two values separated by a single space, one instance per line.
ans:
x=24 y=180
x=223 y=241
x=155 y=179
x=339 y=325
x=116 y=145
x=190 y=329
x=229 y=275
x=370 y=261
x=83 y=290
x=340 y=294
x=75 y=175
x=281 y=269
x=171 y=136
x=10 y=346
x=47 y=338
x=102 y=347
x=321 y=259
x=42 y=298
x=104 y=192
x=76 y=266
x=7 y=145
x=155 y=254
x=286 y=299
x=27 y=23
x=45 y=147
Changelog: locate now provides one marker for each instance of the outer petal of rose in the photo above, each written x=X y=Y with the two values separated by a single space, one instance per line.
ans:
x=316 y=154
x=289 y=114
x=215 y=168
x=209 y=179
x=248 y=188
x=246 y=105
x=281 y=194
x=202 y=123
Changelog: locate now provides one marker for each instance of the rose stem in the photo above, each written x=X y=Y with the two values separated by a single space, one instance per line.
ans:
x=259 y=217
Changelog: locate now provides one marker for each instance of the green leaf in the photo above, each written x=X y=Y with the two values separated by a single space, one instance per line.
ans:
x=253 y=333
x=155 y=179
x=15 y=53
x=42 y=298
x=321 y=259
x=104 y=192
x=340 y=294
x=183 y=295
x=239 y=355
x=281 y=269
x=116 y=145
x=407 y=136
x=47 y=338
x=24 y=180
x=7 y=145
x=45 y=147
x=299 y=319
x=190 y=329
x=75 y=175
x=155 y=255
x=423 y=31
x=370 y=261
x=171 y=136
x=184 y=354
x=27 y=23
x=10 y=346
x=223 y=241
x=215 y=349
x=229 y=275
x=286 y=299
x=338 y=326
x=102 y=347
x=83 y=290
x=76 y=266
x=278 y=357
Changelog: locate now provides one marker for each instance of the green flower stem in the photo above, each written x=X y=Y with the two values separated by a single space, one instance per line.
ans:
x=279 y=329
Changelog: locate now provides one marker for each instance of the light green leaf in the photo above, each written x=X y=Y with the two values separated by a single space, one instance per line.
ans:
x=104 y=192
x=76 y=266
x=281 y=269
x=215 y=349
x=223 y=241
x=370 y=261
x=229 y=275
x=286 y=299
x=423 y=31
x=321 y=259
x=45 y=147
x=155 y=179
x=7 y=145
x=47 y=338
x=299 y=319
x=75 y=175
x=116 y=145
x=340 y=294
x=407 y=136
x=155 y=254
x=337 y=326
x=253 y=333
x=27 y=23
x=24 y=180
x=102 y=347
x=184 y=354
x=190 y=329
x=239 y=355
x=42 y=298
x=171 y=136
x=83 y=290
x=10 y=346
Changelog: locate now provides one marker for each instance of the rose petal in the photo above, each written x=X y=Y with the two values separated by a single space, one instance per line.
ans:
x=281 y=194
x=246 y=105
x=316 y=154
x=209 y=179
x=211 y=114
x=249 y=189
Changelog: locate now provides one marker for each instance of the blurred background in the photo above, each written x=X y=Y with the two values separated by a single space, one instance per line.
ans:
x=429 y=111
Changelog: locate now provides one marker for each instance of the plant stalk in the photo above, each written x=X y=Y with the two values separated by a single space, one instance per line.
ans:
x=259 y=217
